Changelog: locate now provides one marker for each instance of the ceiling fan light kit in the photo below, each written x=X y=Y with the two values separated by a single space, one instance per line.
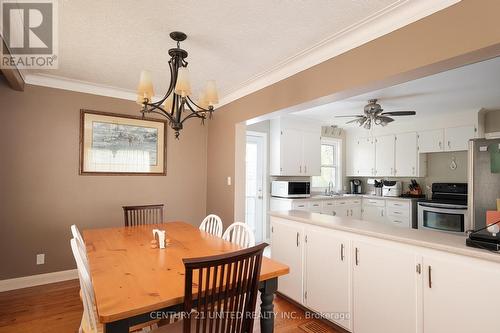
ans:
x=374 y=115
x=177 y=105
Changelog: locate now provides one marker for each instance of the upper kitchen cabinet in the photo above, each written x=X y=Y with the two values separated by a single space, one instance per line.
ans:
x=408 y=163
x=360 y=157
x=457 y=138
x=295 y=148
x=431 y=141
x=448 y=139
x=384 y=155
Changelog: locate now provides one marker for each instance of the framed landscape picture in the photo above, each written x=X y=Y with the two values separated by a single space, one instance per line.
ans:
x=114 y=144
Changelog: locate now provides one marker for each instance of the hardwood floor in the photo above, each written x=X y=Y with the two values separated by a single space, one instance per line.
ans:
x=56 y=308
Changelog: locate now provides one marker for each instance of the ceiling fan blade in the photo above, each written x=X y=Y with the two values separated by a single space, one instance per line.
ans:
x=399 y=113
x=351 y=116
x=356 y=121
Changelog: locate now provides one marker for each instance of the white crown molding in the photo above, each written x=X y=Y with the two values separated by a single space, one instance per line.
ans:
x=37 y=280
x=381 y=23
x=79 y=86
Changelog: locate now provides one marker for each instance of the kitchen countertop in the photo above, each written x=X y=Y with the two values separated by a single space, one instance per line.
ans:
x=346 y=196
x=422 y=238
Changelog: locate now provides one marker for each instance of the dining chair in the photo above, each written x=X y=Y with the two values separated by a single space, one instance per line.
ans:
x=212 y=224
x=141 y=215
x=80 y=242
x=239 y=233
x=220 y=293
x=89 y=322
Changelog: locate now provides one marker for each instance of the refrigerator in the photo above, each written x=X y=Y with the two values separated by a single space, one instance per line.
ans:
x=484 y=179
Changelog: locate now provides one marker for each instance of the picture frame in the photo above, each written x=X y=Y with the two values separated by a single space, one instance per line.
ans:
x=118 y=144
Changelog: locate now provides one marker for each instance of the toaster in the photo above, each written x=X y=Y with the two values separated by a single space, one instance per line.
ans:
x=391 y=188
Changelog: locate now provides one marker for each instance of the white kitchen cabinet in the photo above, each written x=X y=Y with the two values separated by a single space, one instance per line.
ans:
x=457 y=138
x=373 y=213
x=328 y=284
x=384 y=155
x=364 y=157
x=373 y=210
x=460 y=296
x=290 y=153
x=431 y=141
x=287 y=247
x=294 y=151
x=311 y=153
x=448 y=139
x=384 y=288
x=406 y=156
x=315 y=206
x=355 y=212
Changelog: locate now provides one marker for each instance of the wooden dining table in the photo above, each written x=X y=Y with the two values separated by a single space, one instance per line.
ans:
x=133 y=281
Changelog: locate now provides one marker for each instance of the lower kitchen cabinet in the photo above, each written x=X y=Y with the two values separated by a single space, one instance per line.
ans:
x=460 y=296
x=373 y=213
x=327 y=275
x=384 y=288
x=287 y=247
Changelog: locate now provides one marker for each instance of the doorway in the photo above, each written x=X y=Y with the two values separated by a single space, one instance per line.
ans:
x=256 y=194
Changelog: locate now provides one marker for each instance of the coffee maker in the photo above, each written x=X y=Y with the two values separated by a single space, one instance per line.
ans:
x=356 y=186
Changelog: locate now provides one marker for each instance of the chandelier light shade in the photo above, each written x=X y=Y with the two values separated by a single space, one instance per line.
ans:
x=177 y=105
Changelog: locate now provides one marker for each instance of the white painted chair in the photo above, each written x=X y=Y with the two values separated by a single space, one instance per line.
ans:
x=212 y=224
x=89 y=322
x=78 y=236
x=240 y=234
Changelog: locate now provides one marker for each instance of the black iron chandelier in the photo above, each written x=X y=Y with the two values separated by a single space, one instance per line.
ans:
x=177 y=105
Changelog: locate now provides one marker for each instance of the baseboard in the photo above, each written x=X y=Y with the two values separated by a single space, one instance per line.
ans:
x=37 y=280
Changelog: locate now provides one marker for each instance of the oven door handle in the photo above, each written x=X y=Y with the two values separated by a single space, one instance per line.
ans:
x=442 y=207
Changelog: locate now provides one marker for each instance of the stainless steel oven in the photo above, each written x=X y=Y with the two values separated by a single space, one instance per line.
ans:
x=452 y=218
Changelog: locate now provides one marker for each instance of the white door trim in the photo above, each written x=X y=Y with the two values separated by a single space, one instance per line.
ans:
x=266 y=189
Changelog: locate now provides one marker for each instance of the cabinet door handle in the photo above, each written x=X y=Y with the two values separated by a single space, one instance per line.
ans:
x=430 y=277
x=300 y=168
x=382 y=213
x=297 y=239
x=392 y=171
x=342 y=252
x=334 y=213
x=440 y=145
x=357 y=256
x=449 y=144
x=305 y=168
x=419 y=269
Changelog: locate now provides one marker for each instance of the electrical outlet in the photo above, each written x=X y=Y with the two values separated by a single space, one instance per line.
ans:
x=228 y=181
x=40 y=259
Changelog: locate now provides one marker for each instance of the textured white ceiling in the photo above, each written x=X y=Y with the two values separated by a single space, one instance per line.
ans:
x=108 y=42
x=466 y=88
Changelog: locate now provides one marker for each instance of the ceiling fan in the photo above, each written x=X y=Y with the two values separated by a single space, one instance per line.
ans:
x=374 y=115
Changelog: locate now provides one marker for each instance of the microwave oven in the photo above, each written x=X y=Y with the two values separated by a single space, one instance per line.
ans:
x=290 y=189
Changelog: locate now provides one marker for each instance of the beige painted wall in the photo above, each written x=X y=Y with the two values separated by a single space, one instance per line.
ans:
x=41 y=193
x=461 y=34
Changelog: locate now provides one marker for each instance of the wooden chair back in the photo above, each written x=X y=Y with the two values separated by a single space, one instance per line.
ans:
x=221 y=291
x=212 y=224
x=239 y=233
x=142 y=215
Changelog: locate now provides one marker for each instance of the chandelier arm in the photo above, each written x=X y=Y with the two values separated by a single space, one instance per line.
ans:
x=190 y=100
x=158 y=110
x=192 y=115
x=173 y=80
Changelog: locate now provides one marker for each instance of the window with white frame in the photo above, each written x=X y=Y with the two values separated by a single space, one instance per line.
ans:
x=330 y=162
